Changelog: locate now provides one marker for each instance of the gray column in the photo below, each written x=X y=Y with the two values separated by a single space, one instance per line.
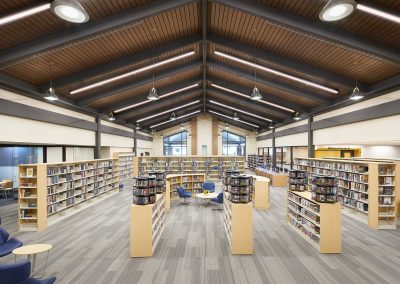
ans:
x=97 y=148
x=311 y=147
x=291 y=157
x=135 y=141
x=273 y=149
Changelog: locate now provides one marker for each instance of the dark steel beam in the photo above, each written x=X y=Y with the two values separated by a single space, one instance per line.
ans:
x=156 y=107
x=143 y=97
x=122 y=62
x=232 y=122
x=97 y=148
x=204 y=32
x=287 y=62
x=166 y=117
x=266 y=97
x=310 y=146
x=177 y=122
x=249 y=105
x=136 y=84
x=316 y=29
x=270 y=83
x=80 y=32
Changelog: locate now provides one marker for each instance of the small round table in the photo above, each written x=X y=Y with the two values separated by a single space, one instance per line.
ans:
x=33 y=250
x=207 y=196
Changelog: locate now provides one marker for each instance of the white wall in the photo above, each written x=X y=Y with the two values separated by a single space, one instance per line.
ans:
x=299 y=139
x=54 y=154
x=251 y=143
x=383 y=152
x=204 y=133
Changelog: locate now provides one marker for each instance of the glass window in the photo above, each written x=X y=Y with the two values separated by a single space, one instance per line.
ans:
x=11 y=157
x=176 y=144
x=233 y=144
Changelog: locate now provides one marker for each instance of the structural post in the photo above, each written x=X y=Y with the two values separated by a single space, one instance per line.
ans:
x=311 y=147
x=97 y=148
x=135 y=134
x=291 y=157
x=273 y=149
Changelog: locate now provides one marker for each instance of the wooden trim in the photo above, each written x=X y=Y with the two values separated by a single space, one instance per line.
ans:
x=193 y=126
x=214 y=136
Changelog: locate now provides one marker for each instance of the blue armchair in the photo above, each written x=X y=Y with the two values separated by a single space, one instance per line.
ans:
x=183 y=194
x=7 y=245
x=219 y=200
x=20 y=272
x=210 y=186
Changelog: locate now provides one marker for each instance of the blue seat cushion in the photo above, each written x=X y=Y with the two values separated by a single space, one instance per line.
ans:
x=7 y=247
x=3 y=235
x=50 y=280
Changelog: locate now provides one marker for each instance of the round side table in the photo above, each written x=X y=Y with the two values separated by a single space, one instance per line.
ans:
x=31 y=251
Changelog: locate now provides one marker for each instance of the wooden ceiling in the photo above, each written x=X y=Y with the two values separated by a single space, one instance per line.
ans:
x=124 y=35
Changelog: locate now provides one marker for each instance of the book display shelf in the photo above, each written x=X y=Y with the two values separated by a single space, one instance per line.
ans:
x=126 y=164
x=254 y=161
x=189 y=182
x=367 y=190
x=48 y=193
x=212 y=166
x=238 y=225
x=147 y=223
x=318 y=223
x=278 y=178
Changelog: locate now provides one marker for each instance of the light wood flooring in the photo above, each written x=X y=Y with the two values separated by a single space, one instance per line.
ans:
x=93 y=247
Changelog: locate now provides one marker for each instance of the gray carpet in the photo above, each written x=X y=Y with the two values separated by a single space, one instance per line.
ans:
x=93 y=247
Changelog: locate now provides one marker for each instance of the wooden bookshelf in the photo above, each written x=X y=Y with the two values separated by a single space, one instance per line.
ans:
x=254 y=161
x=238 y=224
x=212 y=166
x=62 y=189
x=320 y=224
x=277 y=179
x=189 y=182
x=261 y=193
x=126 y=165
x=147 y=223
x=367 y=189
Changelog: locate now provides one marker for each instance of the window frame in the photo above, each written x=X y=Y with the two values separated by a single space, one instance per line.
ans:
x=227 y=143
x=181 y=147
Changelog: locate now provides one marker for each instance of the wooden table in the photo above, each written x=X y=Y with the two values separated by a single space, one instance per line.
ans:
x=32 y=251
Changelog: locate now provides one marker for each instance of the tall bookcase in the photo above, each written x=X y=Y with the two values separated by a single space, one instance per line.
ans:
x=367 y=189
x=48 y=193
x=212 y=166
x=319 y=224
x=127 y=163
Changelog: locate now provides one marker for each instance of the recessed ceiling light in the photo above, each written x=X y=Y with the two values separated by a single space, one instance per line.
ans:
x=168 y=111
x=276 y=72
x=336 y=10
x=23 y=14
x=241 y=121
x=239 y=110
x=69 y=10
x=131 y=73
x=180 y=117
x=379 y=13
x=161 y=96
x=247 y=96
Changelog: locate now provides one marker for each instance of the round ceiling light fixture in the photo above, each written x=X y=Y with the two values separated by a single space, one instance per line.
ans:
x=336 y=10
x=69 y=10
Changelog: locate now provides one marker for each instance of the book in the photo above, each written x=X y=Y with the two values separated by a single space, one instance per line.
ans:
x=29 y=172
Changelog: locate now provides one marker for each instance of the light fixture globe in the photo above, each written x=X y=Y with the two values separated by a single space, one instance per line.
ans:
x=51 y=95
x=235 y=116
x=336 y=10
x=356 y=95
x=255 y=95
x=69 y=10
x=173 y=116
x=153 y=96
x=111 y=116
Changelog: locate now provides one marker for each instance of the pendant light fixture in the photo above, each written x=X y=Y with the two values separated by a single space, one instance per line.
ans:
x=153 y=96
x=137 y=126
x=226 y=126
x=336 y=10
x=296 y=116
x=182 y=127
x=356 y=95
x=271 y=125
x=51 y=93
x=173 y=116
x=235 y=115
x=111 y=116
x=255 y=95
x=69 y=10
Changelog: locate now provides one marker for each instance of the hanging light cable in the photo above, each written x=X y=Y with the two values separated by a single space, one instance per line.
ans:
x=255 y=95
x=235 y=115
x=51 y=93
x=356 y=95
